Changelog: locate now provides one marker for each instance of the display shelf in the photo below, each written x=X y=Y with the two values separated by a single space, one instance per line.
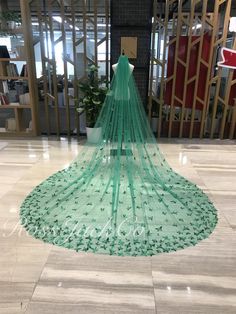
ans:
x=16 y=133
x=20 y=78
x=15 y=106
x=12 y=59
x=14 y=85
x=16 y=30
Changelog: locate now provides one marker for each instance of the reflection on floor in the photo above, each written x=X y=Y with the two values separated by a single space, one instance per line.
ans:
x=38 y=278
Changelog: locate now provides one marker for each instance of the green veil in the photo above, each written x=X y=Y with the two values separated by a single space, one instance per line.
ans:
x=119 y=196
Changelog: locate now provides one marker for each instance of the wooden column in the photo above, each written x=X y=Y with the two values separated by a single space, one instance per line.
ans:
x=29 y=47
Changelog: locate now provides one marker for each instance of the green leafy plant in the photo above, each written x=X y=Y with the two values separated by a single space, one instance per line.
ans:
x=93 y=93
x=10 y=16
x=6 y=20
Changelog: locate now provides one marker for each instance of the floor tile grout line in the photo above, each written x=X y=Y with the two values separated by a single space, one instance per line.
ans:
x=153 y=285
x=36 y=283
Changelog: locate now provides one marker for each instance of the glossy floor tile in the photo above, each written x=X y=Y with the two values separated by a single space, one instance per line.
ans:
x=37 y=278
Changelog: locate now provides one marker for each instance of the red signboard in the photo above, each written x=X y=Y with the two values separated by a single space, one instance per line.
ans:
x=228 y=58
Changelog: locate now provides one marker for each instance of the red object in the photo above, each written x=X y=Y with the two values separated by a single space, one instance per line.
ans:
x=180 y=72
x=4 y=100
x=232 y=94
x=228 y=58
x=229 y=61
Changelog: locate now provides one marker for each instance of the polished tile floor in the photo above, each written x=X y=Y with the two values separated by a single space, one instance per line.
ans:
x=37 y=278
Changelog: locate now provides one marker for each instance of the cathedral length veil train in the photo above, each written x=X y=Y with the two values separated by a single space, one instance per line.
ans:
x=119 y=196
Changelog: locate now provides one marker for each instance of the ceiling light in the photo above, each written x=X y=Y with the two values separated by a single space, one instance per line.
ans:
x=57 y=19
x=103 y=25
x=77 y=28
x=197 y=26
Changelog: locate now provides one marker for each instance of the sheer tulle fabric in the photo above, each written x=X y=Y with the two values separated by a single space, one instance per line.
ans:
x=120 y=196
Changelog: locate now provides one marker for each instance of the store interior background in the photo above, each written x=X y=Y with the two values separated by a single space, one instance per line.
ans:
x=90 y=32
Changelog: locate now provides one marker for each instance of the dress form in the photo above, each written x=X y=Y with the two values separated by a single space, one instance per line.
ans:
x=123 y=94
x=114 y=67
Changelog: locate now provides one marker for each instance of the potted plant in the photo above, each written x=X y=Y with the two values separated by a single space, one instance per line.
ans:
x=9 y=20
x=93 y=93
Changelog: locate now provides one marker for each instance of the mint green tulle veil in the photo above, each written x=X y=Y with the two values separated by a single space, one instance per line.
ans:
x=120 y=196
